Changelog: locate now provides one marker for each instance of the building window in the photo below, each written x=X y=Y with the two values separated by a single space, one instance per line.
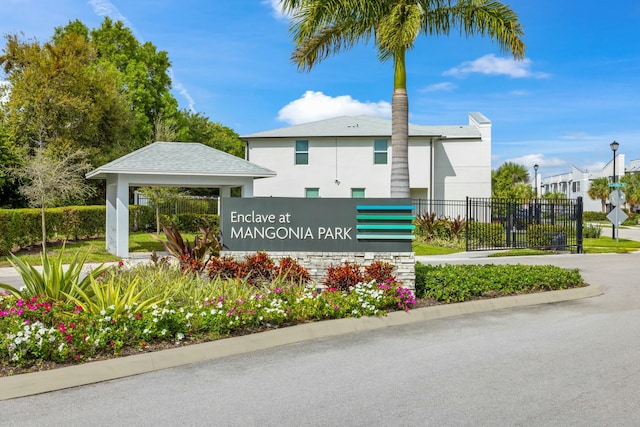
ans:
x=302 y=152
x=312 y=193
x=380 y=152
x=357 y=193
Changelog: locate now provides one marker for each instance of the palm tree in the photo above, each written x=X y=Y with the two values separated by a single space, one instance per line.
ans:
x=324 y=27
x=599 y=189
x=509 y=181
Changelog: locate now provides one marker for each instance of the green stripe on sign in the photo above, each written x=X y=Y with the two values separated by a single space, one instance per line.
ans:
x=385 y=208
x=384 y=236
x=386 y=217
x=386 y=227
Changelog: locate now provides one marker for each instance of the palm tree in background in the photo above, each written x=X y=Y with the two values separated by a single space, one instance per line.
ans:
x=599 y=189
x=324 y=27
x=511 y=180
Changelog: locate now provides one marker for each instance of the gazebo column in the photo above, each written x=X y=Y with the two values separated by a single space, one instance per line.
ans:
x=117 y=231
x=112 y=214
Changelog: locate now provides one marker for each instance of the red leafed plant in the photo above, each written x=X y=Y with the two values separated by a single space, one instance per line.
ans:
x=191 y=257
x=289 y=269
x=343 y=276
x=259 y=268
x=380 y=271
x=224 y=267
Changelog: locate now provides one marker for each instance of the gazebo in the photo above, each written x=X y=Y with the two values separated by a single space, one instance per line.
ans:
x=169 y=164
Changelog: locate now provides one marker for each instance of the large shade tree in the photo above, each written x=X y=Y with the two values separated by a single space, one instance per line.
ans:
x=321 y=28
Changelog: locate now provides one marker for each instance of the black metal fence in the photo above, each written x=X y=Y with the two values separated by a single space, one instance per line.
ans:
x=493 y=224
x=181 y=205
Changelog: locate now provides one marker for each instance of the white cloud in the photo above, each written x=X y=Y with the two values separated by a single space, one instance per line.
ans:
x=493 y=65
x=538 y=159
x=276 y=9
x=106 y=8
x=182 y=91
x=314 y=106
x=439 y=87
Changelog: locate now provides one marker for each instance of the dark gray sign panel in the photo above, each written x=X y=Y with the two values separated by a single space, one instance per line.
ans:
x=317 y=225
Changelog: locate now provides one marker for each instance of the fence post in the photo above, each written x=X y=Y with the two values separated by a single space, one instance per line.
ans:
x=466 y=224
x=579 y=212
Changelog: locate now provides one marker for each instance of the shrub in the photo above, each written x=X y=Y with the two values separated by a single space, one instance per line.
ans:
x=456 y=283
x=594 y=216
x=380 y=271
x=54 y=281
x=259 y=268
x=289 y=269
x=191 y=257
x=591 y=231
x=224 y=267
x=486 y=234
x=542 y=236
x=343 y=277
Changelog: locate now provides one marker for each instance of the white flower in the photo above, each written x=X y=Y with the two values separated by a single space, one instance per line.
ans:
x=180 y=336
x=103 y=312
x=188 y=315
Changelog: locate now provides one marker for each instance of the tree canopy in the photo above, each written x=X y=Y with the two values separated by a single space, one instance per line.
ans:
x=511 y=181
x=96 y=90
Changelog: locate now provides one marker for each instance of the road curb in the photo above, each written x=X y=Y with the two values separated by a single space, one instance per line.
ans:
x=57 y=379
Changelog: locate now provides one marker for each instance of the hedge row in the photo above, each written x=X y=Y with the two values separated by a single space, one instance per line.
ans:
x=21 y=228
x=602 y=216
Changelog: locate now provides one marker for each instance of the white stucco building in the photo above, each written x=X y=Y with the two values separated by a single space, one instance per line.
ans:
x=351 y=157
x=576 y=183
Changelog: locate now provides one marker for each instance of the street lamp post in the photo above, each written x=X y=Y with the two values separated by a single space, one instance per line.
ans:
x=614 y=147
x=535 y=178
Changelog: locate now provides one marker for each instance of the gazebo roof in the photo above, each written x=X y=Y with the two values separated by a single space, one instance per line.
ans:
x=181 y=158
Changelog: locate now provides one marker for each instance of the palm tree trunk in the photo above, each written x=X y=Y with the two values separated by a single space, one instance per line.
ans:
x=400 y=131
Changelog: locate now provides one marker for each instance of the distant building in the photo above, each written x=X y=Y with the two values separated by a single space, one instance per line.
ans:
x=576 y=183
x=351 y=157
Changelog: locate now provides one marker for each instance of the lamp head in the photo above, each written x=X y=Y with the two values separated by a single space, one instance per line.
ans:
x=535 y=167
x=614 y=146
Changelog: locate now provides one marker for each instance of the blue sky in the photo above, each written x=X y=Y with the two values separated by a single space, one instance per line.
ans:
x=577 y=90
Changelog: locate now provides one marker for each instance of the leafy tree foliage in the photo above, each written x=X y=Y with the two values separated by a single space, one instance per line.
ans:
x=511 y=181
x=61 y=99
x=100 y=91
x=145 y=75
x=48 y=180
x=632 y=190
x=194 y=127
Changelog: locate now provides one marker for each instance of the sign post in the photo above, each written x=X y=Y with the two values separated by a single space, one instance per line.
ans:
x=617 y=215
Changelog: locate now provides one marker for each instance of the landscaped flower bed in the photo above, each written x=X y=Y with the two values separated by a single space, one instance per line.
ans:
x=169 y=308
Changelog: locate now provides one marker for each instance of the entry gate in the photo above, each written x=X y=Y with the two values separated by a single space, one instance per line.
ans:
x=493 y=224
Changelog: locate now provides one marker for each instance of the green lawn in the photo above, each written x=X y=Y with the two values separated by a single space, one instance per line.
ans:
x=95 y=249
x=608 y=245
x=426 y=249
x=145 y=242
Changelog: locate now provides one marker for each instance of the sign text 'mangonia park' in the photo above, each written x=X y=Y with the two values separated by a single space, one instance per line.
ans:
x=319 y=225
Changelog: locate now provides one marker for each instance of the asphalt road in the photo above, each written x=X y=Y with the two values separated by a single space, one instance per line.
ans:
x=564 y=364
